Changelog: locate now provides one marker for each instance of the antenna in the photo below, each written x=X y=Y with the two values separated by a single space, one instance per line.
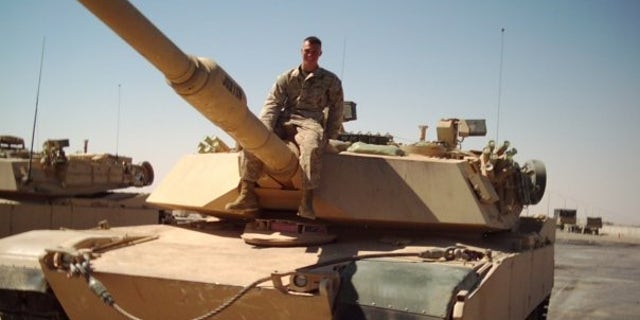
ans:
x=500 y=84
x=118 y=123
x=344 y=53
x=35 y=115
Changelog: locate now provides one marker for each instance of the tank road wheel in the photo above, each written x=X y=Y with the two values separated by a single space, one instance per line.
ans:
x=537 y=173
x=541 y=311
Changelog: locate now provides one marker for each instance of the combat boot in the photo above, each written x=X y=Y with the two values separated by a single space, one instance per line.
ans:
x=247 y=201
x=306 y=205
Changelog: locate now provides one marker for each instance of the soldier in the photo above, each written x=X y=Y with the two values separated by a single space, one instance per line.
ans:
x=295 y=107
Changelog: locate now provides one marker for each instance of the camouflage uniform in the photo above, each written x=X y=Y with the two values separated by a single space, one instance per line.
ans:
x=295 y=106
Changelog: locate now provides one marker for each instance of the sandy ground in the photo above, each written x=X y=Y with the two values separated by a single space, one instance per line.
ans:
x=596 y=277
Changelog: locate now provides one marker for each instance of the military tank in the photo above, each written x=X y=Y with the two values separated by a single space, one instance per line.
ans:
x=52 y=189
x=421 y=231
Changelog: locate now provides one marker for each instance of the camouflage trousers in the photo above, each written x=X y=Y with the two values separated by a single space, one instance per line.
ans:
x=308 y=136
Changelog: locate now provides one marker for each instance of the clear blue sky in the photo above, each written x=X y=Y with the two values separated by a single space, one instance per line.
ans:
x=570 y=78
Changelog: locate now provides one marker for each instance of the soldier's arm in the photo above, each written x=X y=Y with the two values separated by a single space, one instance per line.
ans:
x=336 y=106
x=274 y=103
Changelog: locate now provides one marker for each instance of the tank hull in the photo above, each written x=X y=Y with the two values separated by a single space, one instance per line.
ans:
x=117 y=209
x=180 y=273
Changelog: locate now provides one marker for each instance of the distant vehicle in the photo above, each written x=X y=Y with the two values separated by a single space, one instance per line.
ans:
x=593 y=225
x=567 y=219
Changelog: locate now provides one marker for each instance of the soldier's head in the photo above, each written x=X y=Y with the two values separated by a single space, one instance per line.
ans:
x=311 y=52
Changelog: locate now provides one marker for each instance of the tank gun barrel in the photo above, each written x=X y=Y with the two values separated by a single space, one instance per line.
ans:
x=201 y=82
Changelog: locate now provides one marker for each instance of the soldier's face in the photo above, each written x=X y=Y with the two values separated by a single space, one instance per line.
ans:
x=311 y=52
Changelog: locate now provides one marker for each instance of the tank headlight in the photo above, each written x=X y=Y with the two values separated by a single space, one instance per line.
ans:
x=300 y=280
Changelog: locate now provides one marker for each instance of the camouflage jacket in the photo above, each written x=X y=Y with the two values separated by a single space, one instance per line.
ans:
x=298 y=98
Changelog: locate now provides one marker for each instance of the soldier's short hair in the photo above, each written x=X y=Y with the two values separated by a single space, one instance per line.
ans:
x=313 y=40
